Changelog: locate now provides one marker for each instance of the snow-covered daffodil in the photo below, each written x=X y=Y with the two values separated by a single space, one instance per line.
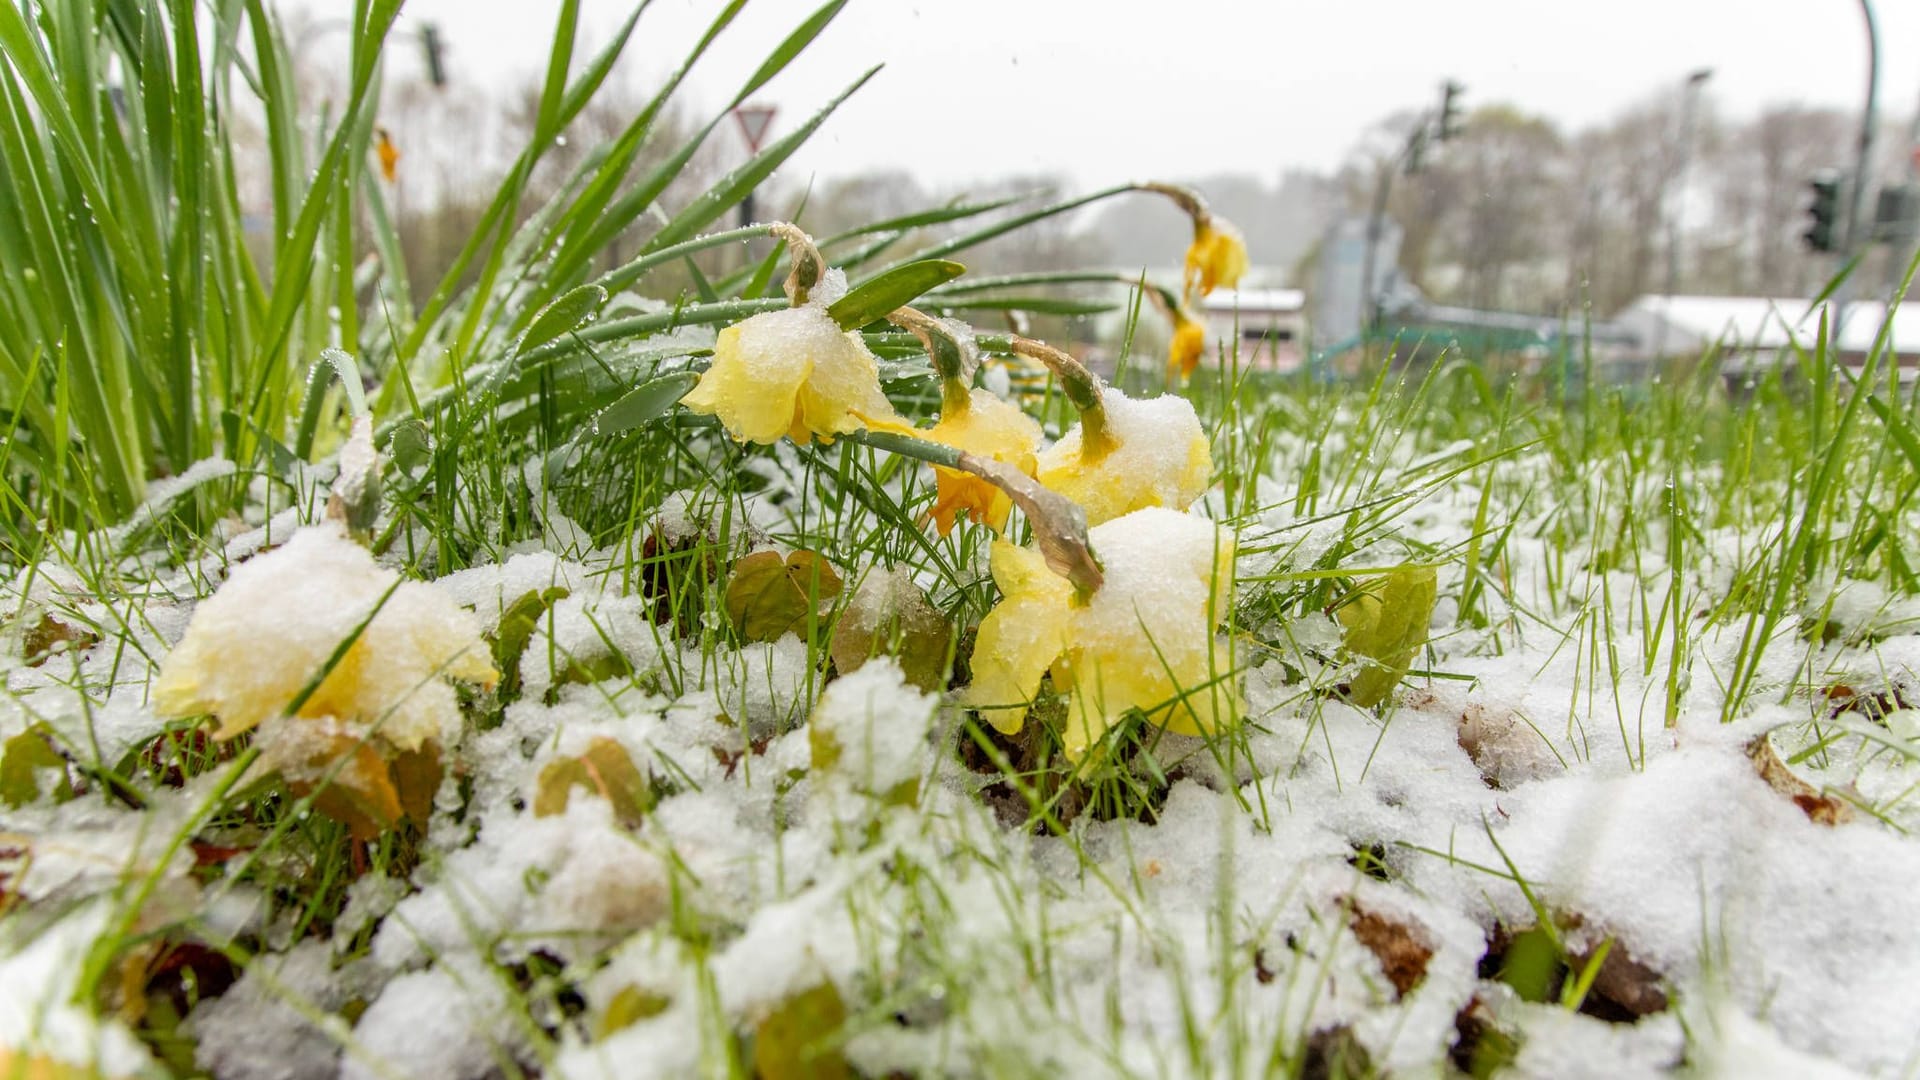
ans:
x=254 y=645
x=1143 y=640
x=1217 y=257
x=1151 y=452
x=792 y=373
x=990 y=428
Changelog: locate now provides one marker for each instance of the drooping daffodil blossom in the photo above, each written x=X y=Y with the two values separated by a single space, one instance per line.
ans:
x=1149 y=452
x=990 y=428
x=1217 y=257
x=1189 y=344
x=794 y=373
x=1145 y=639
x=255 y=644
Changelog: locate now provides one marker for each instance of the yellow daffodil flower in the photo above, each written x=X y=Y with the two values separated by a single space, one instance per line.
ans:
x=794 y=373
x=257 y=642
x=1189 y=344
x=1144 y=640
x=1155 y=454
x=1217 y=257
x=388 y=153
x=988 y=428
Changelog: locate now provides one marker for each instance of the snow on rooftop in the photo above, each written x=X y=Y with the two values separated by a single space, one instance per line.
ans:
x=1762 y=322
x=1246 y=301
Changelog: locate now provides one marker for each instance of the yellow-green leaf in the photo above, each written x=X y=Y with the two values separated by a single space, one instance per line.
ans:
x=891 y=616
x=1386 y=626
x=516 y=629
x=22 y=759
x=604 y=769
x=767 y=595
x=799 y=1041
x=628 y=1007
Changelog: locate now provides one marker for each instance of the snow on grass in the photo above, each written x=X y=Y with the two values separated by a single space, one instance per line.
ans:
x=642 y=859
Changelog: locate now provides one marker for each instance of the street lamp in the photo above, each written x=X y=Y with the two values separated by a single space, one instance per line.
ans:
x=1689 y=108
x=1677 y=203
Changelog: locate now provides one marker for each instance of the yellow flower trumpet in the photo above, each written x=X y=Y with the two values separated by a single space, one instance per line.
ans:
x=1125 y=454
x=793 y=373
x=1143 y=640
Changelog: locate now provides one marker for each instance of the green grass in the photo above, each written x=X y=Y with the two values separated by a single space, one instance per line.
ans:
x=1676 y=541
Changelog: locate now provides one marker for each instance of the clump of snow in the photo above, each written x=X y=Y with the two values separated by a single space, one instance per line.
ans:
x=263 y=1027
x=488 y=591
x=1162 y=459
x=870 y=736
x=453 y=1021
x=39 y=1017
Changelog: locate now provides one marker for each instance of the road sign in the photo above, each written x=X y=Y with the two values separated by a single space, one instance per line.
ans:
x=754 y=120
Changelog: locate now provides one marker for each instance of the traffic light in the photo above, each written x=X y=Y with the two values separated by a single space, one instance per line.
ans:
x=1823 y=233
x=1450 y=92
x=431 y=47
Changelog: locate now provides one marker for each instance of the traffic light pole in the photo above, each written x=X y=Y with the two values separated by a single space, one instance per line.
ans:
x=1856 y=239
x=1445 y=124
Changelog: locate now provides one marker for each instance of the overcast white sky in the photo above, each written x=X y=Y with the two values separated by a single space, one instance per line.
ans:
x=1104 y=90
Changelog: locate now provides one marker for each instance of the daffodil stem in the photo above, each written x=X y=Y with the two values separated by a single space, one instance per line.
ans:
x=1083 y=389
x=951 y=349
x=809 y=266
x=1185 y=198
x=1059 y=524
x=926 y=450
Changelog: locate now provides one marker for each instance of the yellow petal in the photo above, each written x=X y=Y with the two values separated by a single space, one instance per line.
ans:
x=1218 y=256
x=1145 y=640
x=758 y=370
x=990 y=428
x=1189 y=344
x=1020 y=638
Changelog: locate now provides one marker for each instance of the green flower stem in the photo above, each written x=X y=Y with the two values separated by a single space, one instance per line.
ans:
x=955 y=357
x=1185 y=198
x=1083 y=389
x=1059 y=524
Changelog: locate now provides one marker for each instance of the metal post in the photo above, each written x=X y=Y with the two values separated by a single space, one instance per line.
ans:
x=1677 y=204
x=1863 y=161
x=1369 y=296
x=1676 y=214
x=1862 y=168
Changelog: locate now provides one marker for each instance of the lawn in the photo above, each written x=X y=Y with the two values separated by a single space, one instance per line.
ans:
x=538 y=677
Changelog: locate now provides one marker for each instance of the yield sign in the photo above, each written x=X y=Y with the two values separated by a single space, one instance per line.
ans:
x=754 y=121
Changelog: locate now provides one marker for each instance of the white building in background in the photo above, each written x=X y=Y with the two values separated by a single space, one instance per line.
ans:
x=1761 y=331
x=1271 y=325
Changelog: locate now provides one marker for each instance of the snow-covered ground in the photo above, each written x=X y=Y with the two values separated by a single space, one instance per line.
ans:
x=674 y=855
